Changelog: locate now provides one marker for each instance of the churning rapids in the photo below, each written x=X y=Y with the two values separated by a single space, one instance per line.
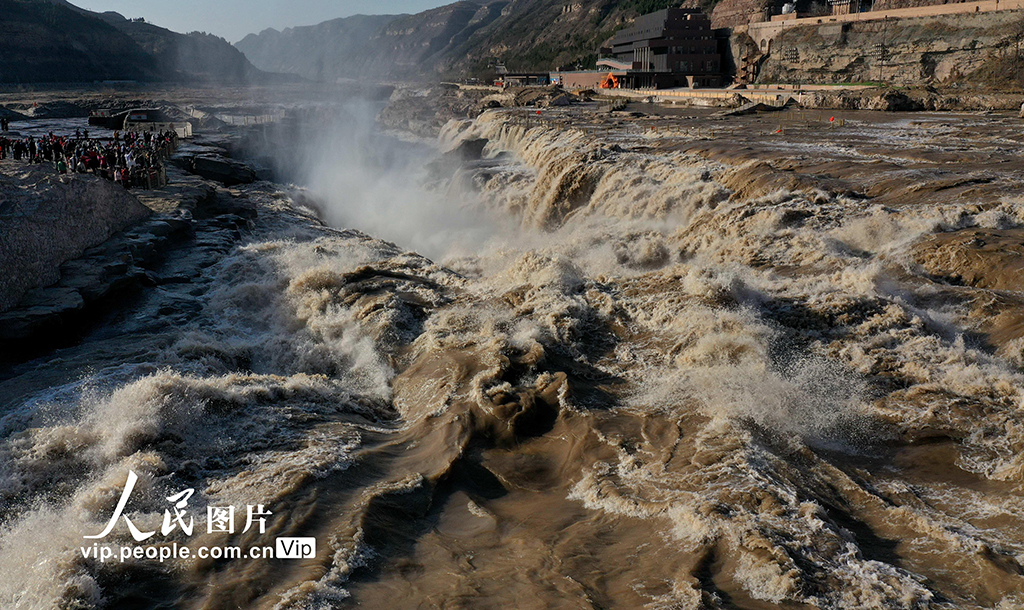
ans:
x=636 y=365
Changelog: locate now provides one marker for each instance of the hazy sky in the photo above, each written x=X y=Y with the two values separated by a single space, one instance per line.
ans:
x=233 y=19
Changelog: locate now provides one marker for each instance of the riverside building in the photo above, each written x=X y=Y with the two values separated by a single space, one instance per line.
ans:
x=673 y=47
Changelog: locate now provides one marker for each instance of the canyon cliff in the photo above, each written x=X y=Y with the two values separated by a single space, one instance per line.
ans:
x=966 y=50
x=47 y=41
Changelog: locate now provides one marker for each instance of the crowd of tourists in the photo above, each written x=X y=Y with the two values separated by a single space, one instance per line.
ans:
x=131 y=159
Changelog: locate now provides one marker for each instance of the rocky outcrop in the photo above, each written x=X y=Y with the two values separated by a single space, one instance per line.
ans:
x=49 y=219
x=210 y=157
x=11 y=115
x=913 y=99
x=540 y=96
x=424 y=112
x=948 y=50
x=732 y=13
x=228 y=172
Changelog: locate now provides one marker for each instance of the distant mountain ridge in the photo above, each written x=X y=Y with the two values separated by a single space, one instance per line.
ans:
x=315 y=51
x=55 y=41
x=456 y=39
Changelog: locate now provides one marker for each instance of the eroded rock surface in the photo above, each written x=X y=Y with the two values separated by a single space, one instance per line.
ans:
x=49 y=219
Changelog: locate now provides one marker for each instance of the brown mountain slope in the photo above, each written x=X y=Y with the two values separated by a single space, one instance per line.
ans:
x=460 y=38
x=193 y=56
x=55 y=41
x=326 y=51
x=45 y=42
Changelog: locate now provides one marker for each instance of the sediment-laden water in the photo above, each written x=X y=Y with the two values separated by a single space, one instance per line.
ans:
x=637 y=365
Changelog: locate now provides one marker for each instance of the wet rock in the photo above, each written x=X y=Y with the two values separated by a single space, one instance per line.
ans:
x=466 y=154
x=162 y=227
x=560 y=100
x=541 y=97
x=179 y=305
x=469 y=150
x=178 y=278
x=12 y=115
x=22 y=324
x=225 y=209
x=42 y=308
x=894 y=101
x=747 y=108
x=221 y=169
x=60 y=298
x=498 y=100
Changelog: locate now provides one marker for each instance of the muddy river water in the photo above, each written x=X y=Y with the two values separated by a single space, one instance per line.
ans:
x=586 y=360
